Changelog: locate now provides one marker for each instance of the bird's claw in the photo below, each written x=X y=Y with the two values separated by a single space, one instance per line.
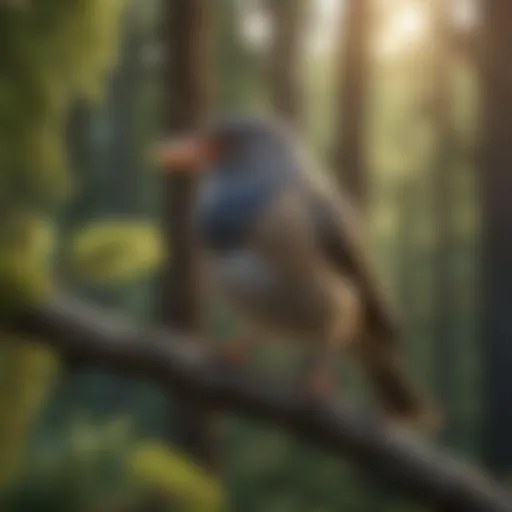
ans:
x=319 y=384
x=232 y=353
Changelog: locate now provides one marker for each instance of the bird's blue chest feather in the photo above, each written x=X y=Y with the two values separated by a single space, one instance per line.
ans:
x=228 y=210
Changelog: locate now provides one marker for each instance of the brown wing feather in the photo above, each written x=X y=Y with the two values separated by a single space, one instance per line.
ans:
x=341 y=237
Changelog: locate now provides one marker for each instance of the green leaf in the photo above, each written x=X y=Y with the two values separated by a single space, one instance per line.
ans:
x=26 y=245
x=173 y=474
x=116 y=251
x=25 y=378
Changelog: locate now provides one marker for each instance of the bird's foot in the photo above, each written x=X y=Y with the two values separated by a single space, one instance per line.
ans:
x=318 y=383
x=233 y=353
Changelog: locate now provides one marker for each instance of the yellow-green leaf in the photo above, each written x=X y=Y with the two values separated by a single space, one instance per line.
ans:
x=174 y=474
x=116 y=250
x=26 y=244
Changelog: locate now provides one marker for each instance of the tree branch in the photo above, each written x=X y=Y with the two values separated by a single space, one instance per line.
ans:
x=82 y=332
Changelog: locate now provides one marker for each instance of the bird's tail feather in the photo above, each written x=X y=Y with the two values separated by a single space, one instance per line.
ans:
x=395 y=390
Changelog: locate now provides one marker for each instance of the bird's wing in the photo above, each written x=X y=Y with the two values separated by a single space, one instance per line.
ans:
x=284 y=234
x=342 y=242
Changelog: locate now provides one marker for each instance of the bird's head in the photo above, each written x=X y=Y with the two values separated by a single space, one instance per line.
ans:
x=241 y=145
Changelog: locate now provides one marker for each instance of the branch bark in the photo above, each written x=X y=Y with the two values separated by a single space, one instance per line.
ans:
x=179 y=362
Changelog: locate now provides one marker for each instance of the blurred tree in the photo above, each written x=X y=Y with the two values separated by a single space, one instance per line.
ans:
x=286 y=54
x=235 y=64
x=406 y=198
x=80 y=155
x=123 y=157
x=187 y=98
x=230 y=55
x=353 y=59
x=496 y=184
x=444 y=300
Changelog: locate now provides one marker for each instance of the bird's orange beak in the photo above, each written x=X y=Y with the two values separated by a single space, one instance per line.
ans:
x=189 y=153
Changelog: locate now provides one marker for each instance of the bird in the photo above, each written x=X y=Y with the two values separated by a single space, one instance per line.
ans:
x=285 y=247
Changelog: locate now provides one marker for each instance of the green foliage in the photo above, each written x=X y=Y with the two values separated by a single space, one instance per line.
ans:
x=51 y=52
x=116 y=251
x=26 y=371
x=176 y=476
x=56 y=49
x=25 y=377
x=75 y=468
x=24 y=263
x=88 y=465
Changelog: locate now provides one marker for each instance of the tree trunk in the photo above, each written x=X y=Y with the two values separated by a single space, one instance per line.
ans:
x=353 y=63
x=286 y=90
x=122 y=183
x=406 y=199
x=187 y=96
x=231 y=58
x=496 y=186
x=352 y=60
x=445 y=358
